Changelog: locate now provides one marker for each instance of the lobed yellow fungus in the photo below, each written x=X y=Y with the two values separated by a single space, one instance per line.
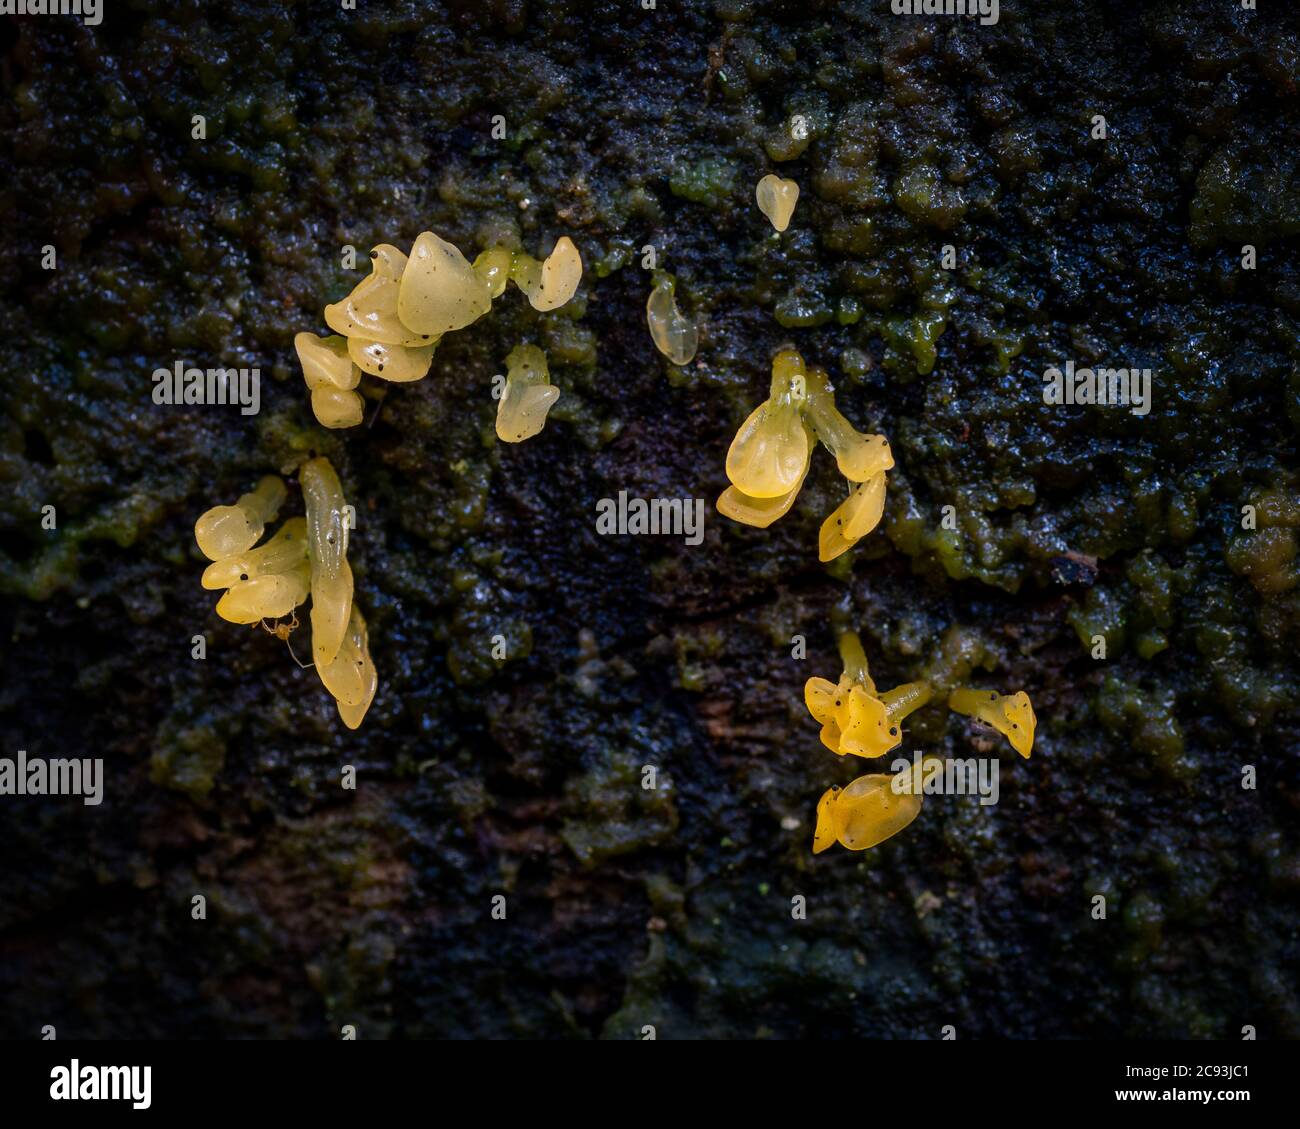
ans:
x=864 y=814
x=855 y=719
x=439 y=291
x=769 y=455
x=528 y=395
x=674 y=334
x=331 y=576
x=551 y=283
x=776 y=199
x=351 y=676
x=261 y=583
x=1012 y=715
x=306 y=557
x=332 y=379
x=224 y=530
x=493 y=267
x=391 y=323
x=768 y=459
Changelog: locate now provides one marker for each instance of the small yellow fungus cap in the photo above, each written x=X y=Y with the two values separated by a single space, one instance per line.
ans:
x=556 y=281
x=853 y=519
x=769 y=455
x=776 y=199
x=370 y=311
x=674 y=334
x=865 y=813
x=282 y=553
x=398 y=363
x=865 y=728
x=858 y=456
x=440 y=291
x=325 y=361
x=351 y=677
x=493 y=267
x=268 y=596
x=1012 y=715
x=825 y=831
x=224 y=530
x=528 y=395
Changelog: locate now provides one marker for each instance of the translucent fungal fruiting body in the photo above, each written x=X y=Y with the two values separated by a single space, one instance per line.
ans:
x=224 y=530
x=371 y=310
x=527 y=397
x=327 y=547
x=855 y=719
x=776 y=199
x=769 y=455
x=351 y=677
x=853 y=519
x=265 y=597
x=1012 y=715
x=332 y=378
x=768 y=459
x=282 y=553
x=493 y=267
x=398 y=363
x=440 y=291
x=674 y=334
x=864 y=814
x=551 y=283
x=858 y=456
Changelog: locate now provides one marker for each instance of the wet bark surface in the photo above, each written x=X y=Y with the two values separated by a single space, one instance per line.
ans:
x=671 y=906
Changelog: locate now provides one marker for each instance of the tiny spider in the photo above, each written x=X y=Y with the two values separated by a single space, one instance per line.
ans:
x=283 y=631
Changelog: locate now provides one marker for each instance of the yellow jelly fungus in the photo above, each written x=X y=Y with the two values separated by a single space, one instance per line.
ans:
x=439 y=291
x=776 y=199
x=1012 y=715
x=370 y=311
x=760 y=512
x=824 y=831
x=552 y=283
x=527 y=397
x=858 y=456
x=332 y=378
x=769 y=455
x=269 y=596
x=674 y=334
x=493 y=267
x=855 y=719
x=224 y=530
x=864 y=814
x=282 y=553
x=853 y=519
x=398 y=363
x=327 y=548
x=351 y=677
x=864 y=725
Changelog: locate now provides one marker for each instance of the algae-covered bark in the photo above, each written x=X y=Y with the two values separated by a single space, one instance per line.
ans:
x=671 y=907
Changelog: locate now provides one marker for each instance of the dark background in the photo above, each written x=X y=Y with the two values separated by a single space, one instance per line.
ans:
x=626 y=127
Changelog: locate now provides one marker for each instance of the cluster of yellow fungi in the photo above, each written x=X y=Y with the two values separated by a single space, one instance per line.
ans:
x=391 y=323
x=308 y=556
x=858 y=720
x=769 y=457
